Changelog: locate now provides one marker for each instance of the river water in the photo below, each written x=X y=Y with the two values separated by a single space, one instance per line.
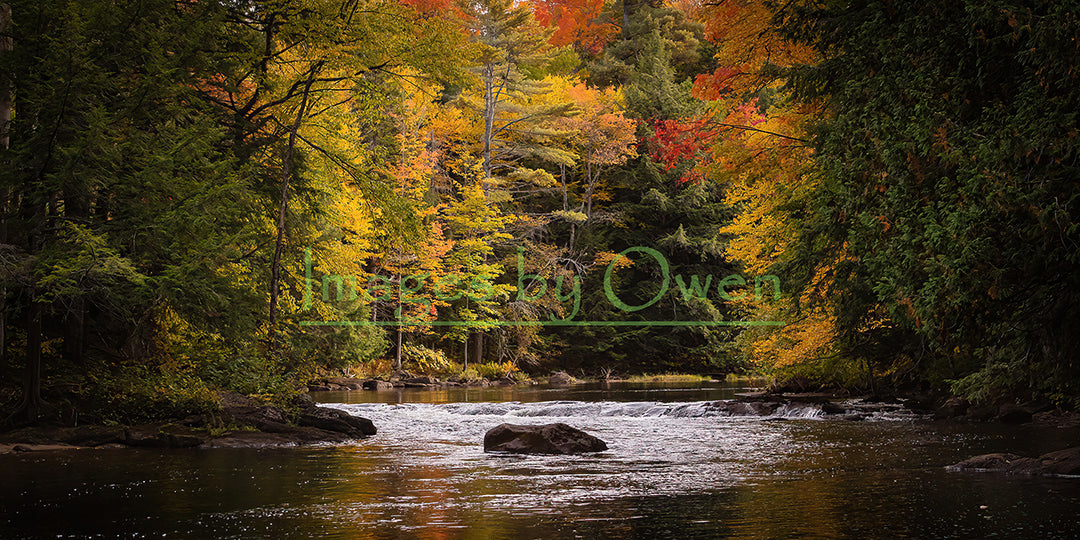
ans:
x=677 y=467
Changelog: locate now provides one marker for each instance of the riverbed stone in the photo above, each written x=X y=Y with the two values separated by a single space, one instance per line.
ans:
x=420 y=382
x=560 y=378
x=746 y=408
x=346 y=383
x=952 y=408
x=168 y=436
x=1011 y=413
x=23 y=448
x=1061 y=462
x=336 y=420
x=555 y=438
x=375 y=384
x=92 y=435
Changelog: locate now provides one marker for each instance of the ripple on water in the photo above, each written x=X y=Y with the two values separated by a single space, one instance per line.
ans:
x=654 y=448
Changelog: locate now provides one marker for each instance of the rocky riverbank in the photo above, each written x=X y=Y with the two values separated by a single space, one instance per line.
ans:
x=242 y=422
x=859 y=408
x=1060 y=463
x=404 y=379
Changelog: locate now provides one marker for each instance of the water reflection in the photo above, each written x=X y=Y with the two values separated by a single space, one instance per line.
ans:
x=591 y=391
x=425 y=476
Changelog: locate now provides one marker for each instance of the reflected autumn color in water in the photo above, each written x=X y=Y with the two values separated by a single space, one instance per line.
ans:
x=674 y=470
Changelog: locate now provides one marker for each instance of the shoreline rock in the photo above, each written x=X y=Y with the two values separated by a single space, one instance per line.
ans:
x=403 y=380
x=255 y=426
x=1060 y=463
x=927 y=405
x=561 y=378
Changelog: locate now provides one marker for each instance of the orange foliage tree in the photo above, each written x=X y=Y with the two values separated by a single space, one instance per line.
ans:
x=751 y=137
x=584 y=24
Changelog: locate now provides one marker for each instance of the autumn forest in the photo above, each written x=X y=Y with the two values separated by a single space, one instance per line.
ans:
x=245 y=194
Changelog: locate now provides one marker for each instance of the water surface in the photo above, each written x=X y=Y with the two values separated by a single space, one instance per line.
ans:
x=675 y=468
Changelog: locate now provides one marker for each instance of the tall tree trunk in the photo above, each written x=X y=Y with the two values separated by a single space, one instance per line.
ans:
x=492 y=93
x=279 y=244
x=32 y=404
x=589 y=191
x=565 y=194
x=75 y=331
x=566 y=205
x=490 y=99
x=478 y=347
x=397 y=353
x=5 y=140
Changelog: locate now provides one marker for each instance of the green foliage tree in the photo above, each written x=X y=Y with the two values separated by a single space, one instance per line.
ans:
x=509 y=41
x=638 y=21
x=155 y=146
x=121 y=202
x=650 y=205
x=948 y=173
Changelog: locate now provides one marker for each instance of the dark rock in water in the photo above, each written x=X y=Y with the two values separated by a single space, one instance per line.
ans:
x=952 y=408
x=809 y=397
x=420 y=382
x=91 y=435
x=346 y=383
x=271 y=419
x=757 y=396
x=264 y=418
x=1062 y=462
x=1011 y=413
x=544 y=439
x=335 y=384
x=375 y=384
x=163 y=437
x=832 y=408
x=744 y=408
x=560 y=378
x=1058 y=419
x=336 y=420
x=920 y=403
x=980 y=413
x=879 y=398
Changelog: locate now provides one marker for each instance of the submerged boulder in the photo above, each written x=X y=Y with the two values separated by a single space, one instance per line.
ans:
x=556 y=438
x=1062 y=462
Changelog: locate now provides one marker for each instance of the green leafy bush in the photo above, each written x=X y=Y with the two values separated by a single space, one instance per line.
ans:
x=427 y=361
x=496 y=370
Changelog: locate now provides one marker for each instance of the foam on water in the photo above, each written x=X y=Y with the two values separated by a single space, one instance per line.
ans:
x=654 y=447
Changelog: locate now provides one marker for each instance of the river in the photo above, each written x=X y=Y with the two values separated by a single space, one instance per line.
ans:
x=675 y=468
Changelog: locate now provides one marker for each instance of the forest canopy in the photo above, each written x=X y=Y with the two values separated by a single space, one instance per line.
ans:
x=241 y=195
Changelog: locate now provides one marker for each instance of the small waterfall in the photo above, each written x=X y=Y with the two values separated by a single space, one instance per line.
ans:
x=579 y=409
